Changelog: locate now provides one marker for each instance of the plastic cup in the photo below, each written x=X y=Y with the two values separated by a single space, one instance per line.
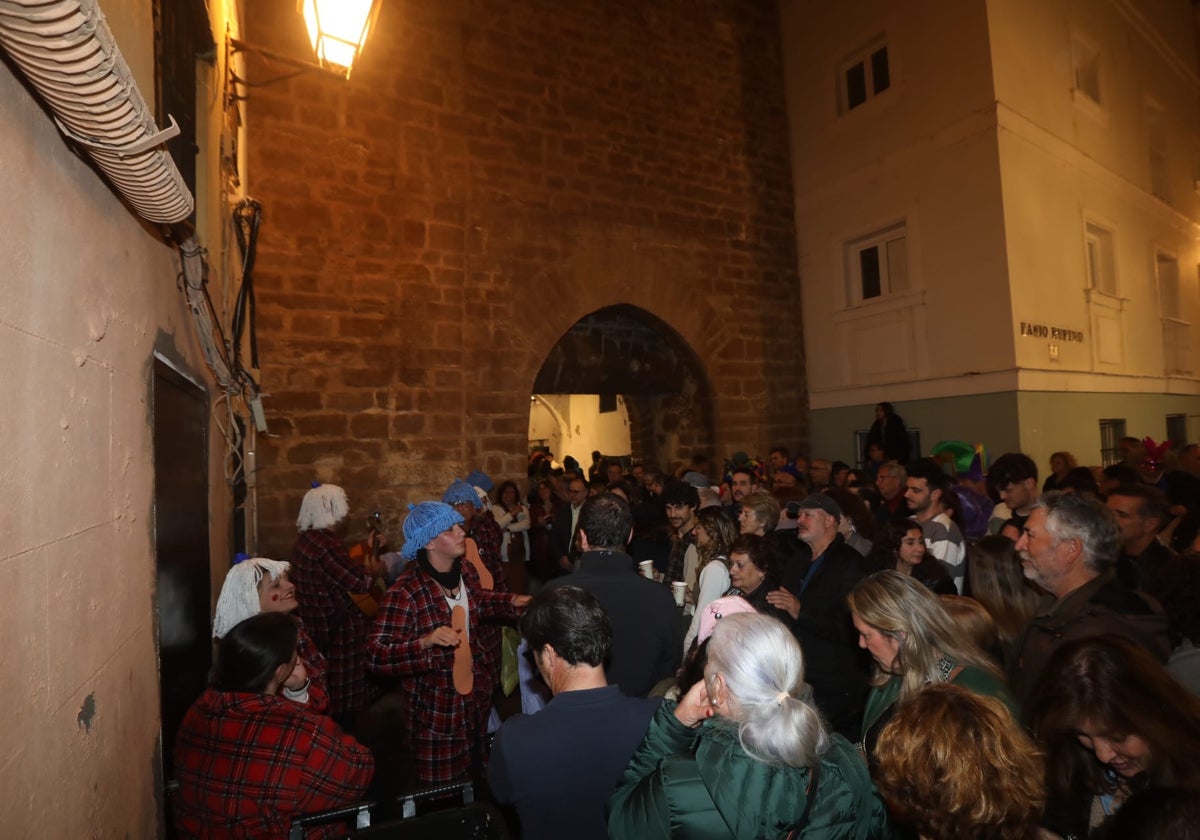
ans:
x=646 y=568
x=677 y=589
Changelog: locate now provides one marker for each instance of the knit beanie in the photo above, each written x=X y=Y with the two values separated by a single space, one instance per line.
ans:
x=424 y=522
x=324 y=506
x=459 y=492
x=239 y=594
x=480 y=480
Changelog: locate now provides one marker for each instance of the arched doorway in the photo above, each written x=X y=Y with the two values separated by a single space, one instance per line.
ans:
x=621 y=364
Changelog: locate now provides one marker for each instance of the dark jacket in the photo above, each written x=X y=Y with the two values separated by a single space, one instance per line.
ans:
x=647 y=626
x=562 y=537
x=560 y=766
x=833 y=663
x=891 y=436
x=701 y=785
x=1102 y=605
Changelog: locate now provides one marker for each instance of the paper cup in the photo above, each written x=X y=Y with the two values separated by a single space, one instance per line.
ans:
x=646 y=567
x=677 y=589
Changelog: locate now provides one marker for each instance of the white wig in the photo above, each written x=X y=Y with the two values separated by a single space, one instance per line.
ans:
x=239 y=594
x=323 y=507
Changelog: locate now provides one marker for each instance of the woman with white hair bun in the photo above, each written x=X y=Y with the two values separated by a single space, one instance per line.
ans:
x=257 y=585
x=742 y=756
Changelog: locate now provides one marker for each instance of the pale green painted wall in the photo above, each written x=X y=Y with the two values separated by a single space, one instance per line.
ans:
x=1034 y=422
x=1071 y=422
x=990 y=419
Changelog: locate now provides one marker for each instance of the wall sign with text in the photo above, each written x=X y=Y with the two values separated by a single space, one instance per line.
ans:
x=1053 y=333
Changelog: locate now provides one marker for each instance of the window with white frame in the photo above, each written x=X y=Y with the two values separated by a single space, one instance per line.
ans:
x=1156 y=125
x=1177 y=333
x=1101 y=264
x=1167 y=269
x=1086 y=61
x=864 y=76
x=877 y=265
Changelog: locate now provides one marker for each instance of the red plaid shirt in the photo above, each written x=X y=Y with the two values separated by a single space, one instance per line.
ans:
x=441 y=721
x=323 y=574
x=247 y=764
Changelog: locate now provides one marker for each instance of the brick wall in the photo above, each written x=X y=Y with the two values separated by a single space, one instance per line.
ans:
x=492 y=174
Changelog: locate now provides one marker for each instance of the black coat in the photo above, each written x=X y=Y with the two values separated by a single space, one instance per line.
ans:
x=834 y=664
x=647 y=627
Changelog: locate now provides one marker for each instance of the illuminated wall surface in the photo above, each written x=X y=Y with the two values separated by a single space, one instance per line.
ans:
x=994 y=227
x=998 y=232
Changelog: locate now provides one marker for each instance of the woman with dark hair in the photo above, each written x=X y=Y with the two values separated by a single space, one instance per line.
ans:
x=542 y=510
x=1112 y=722
x=753 y=573
x=248 y=761
x=715 y=533
x=513 y=519
x=999 y=584
x=889 y=434
x=259 y=585
x=901 y=546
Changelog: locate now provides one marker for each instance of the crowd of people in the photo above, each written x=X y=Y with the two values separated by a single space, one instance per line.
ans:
x=777 y=648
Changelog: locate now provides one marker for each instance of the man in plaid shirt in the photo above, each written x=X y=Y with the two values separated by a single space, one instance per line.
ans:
x=324 y=577
x=413 y=637
x=248 y=760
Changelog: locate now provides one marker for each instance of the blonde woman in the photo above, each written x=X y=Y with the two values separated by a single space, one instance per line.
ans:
x=914 y=642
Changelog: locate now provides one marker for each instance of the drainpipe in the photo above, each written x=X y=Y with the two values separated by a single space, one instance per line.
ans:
x=69 y=55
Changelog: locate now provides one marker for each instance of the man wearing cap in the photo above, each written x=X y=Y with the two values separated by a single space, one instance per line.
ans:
x=647 y=631
x=813 y=593
x=427 y=631
x=325 y=578
x=560 y=766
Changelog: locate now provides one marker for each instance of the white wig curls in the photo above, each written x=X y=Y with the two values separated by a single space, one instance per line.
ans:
x=239 y=594
x=323 y=507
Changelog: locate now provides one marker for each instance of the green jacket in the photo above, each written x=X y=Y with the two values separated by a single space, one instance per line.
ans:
x=701 y=785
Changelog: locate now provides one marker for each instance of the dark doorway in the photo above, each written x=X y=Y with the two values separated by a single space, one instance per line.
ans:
x=182 y=593
x=625 y=350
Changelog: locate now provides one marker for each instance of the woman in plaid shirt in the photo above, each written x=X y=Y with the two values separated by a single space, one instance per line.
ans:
x=448 y=686
x=325 y=577
x=257 y=585
x=248 y=760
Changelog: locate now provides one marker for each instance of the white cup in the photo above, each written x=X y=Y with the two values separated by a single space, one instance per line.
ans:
x=677 y=589
x=646 y=568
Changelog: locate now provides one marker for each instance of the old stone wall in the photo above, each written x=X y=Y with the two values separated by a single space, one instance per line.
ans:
x=492 y=174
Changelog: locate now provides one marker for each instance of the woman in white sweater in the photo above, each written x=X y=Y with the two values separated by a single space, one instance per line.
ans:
x=715 y=532
x=513 y=519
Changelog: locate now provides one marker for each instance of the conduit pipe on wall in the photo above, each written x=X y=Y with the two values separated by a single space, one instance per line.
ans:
x=66 y=50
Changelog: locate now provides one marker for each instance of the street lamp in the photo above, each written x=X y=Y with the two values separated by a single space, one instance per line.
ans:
x=338 y=29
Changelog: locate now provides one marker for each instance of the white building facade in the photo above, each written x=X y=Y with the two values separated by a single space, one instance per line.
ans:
x=998 y=219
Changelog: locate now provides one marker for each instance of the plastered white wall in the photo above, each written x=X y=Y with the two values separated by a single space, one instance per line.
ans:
x=87 y=294
x=572 y=424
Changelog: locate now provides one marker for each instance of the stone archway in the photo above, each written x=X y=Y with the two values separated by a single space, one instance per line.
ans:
x=624 y=350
